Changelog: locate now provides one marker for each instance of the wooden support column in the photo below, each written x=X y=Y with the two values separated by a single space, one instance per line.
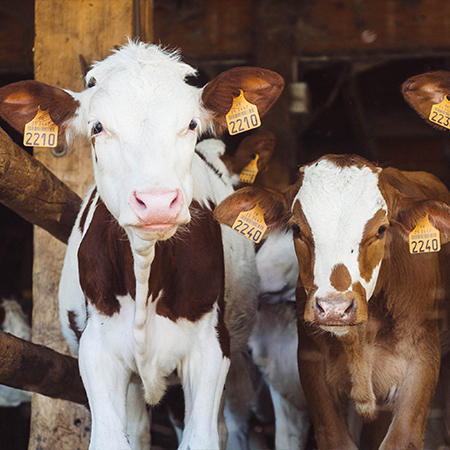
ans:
x=64 y=31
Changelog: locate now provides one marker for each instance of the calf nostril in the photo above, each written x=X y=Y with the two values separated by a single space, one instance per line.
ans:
x=350 y=309
x=319 y=308
x=139 y=201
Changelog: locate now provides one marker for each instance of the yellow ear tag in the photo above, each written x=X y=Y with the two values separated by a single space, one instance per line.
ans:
x=251 y=224
x=424 y=238
x=440 y=113
x=243 y=116
x=250 y=171
x=41 y=131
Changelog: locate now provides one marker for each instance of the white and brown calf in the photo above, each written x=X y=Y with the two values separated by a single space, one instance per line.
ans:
x=369 y=317
x=151 y=285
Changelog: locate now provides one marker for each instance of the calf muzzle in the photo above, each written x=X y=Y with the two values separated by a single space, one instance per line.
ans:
x=336 y=310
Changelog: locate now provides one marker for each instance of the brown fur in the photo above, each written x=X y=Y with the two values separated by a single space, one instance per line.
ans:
x=108 y=271
x=262 y=91
x=19 y=104
x=340 y=278
x=261 y=143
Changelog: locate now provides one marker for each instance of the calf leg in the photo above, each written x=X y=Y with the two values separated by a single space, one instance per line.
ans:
x=412 y=406
x=328 y=415
x=203 y=373
x=291 y=424
x=138 y=417
x=106 y=381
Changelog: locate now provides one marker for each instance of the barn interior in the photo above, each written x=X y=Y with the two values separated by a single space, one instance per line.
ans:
x=343 y=62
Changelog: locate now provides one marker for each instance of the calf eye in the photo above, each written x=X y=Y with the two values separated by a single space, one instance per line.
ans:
x=296 y=231
x=193 y=124
x=97 y=128
x=381 y=231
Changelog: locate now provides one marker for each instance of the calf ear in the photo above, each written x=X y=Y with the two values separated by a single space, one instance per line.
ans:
x=19 y=103
x=261 y=143
x=261 y=87
x=425 y=90
x=273 y=204
x=410 y=210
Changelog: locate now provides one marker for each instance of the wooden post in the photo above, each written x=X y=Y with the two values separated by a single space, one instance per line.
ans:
x=64 y=31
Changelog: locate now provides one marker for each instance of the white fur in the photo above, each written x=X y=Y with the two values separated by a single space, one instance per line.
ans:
x=145 y=108
x=277 y=266
x=337 y=203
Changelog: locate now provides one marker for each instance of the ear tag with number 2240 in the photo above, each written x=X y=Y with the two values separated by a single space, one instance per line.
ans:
x=251 y=224
x=424 y=238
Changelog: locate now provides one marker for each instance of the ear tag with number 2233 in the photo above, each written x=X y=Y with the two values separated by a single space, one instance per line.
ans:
x=440 y=113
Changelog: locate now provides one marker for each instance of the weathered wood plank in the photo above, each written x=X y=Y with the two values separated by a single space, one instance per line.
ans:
x=65 y=30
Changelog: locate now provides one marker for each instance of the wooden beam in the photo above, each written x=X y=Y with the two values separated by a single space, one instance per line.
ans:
x=65 y=30
x=32 y=191
x=36 y=368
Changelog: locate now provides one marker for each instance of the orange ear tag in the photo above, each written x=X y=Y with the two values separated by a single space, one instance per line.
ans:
x=243 y=116
x=424 y=238
x=440 y=113
x=41 y=131
x=251 y=224
x=250 y=171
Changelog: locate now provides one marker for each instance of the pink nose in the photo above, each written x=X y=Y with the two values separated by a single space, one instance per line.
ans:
x=335 y=310
x=157 y=206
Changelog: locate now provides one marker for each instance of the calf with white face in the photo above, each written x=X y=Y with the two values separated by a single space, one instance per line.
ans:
x=151 y=284
x=368 y=309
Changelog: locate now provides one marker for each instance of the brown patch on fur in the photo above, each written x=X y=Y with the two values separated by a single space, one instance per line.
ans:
x=345 y=160
x=304 y=247
x=86 y=210
x=189 y=272
x=72 y=316
x=105 y=262
x=371 y=248
x=340 y=278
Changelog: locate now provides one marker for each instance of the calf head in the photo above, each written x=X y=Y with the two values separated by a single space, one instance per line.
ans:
x=142 y=120
x=425 y=90
x=343 y=212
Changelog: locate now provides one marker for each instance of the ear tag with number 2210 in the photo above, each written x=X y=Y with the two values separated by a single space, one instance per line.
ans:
x=251 y=224
x=243 y=116
x=41 y=131
x=424 y=238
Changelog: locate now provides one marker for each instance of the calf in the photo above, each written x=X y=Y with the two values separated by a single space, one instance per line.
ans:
x=369 y=317
x=151 y=285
